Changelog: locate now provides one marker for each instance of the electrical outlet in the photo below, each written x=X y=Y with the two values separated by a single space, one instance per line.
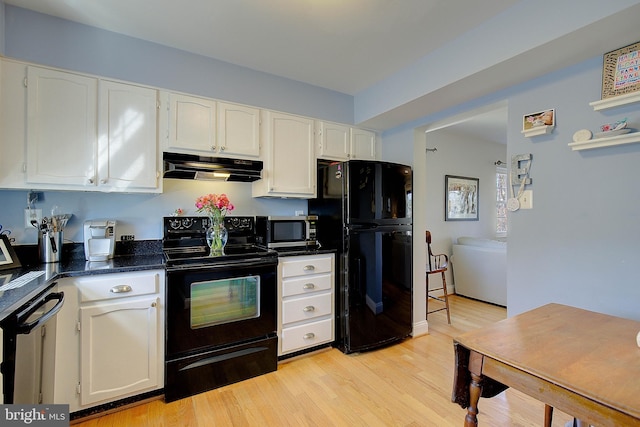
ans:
x=32 y=214
x=526 y=200
x=126 y=237
x=299 y=213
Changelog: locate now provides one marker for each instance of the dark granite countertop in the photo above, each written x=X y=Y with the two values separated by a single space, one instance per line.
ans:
x=302 y=252
x=132 y=256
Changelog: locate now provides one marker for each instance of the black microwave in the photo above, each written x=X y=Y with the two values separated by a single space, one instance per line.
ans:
x=275 y=232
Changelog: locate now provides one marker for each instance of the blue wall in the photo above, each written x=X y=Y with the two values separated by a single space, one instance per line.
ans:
x=579 y=244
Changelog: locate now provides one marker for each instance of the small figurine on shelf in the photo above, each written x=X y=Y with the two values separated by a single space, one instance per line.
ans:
x=613 y=129
x=620 y=124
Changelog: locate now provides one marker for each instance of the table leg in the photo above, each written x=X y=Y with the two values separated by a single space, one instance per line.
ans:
x=548 y=415
x=475 y=389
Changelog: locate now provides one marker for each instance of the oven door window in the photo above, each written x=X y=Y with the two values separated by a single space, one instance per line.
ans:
x=216 y=302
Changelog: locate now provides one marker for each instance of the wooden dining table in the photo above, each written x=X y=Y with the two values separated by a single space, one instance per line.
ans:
x=583 y=363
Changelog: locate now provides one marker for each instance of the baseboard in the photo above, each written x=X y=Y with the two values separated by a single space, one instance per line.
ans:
x=420 y=328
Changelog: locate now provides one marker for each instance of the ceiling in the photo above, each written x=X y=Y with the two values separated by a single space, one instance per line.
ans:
x=342 y=45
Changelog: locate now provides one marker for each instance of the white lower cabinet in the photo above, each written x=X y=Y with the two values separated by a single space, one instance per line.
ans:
x=306 y=296
x=110 y=339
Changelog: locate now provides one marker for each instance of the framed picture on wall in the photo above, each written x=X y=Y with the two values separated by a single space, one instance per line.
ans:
x=461 y=198
x=540 y=118
x=620 y=71
x=8 y=258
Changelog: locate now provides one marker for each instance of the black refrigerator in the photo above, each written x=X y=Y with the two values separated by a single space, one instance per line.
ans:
x=364 y=213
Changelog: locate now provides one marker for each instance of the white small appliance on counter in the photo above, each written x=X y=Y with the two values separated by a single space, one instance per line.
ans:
x=99 y=239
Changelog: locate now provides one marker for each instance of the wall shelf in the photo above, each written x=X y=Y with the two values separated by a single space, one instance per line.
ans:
x=628 y=138
x=538 y=130
x=616 y=101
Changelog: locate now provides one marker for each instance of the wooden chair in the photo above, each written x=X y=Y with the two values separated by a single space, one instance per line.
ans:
x=437 y=264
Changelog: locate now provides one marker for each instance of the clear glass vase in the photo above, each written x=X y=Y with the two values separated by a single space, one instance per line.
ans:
x=217 y=235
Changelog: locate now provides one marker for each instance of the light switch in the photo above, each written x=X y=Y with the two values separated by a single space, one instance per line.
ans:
x=526 y=200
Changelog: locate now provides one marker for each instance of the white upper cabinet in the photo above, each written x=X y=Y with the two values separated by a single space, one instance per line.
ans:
x=12 y=124
x=333 y=141
x=87 y=134
x=128 y=137
x=192 y=124
x=289 y=160
x=205 y=126
x=61 y=127
x=238 y=130
x=340 y=142
x=363 y=144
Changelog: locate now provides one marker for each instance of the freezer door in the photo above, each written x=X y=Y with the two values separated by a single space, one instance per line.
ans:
x=379 y=192
x=376 y=297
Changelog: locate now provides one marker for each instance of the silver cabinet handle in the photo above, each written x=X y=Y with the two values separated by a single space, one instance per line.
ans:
x=309 y=268
x=309 y=336
x=103 y=181
x=309 y=308
x=308 y=286
x=121 y=289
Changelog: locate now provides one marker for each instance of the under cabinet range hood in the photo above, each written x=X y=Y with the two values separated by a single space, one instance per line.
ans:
x=192 y=166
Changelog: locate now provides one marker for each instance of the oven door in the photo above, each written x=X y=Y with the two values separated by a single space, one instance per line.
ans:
x=219 y=305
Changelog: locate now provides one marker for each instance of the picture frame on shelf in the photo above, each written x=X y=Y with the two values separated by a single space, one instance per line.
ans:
x=620 y=71
x=8 y=257
x=539 y=123
x=461 y=198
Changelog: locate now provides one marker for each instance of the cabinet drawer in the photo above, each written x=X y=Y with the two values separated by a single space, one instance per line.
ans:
x=309 y=307
x=298 y=266
x=309 y=335
x=107 y=286
x=306 y=284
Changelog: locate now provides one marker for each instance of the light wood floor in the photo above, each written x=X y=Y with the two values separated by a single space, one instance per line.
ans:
x=408 y=384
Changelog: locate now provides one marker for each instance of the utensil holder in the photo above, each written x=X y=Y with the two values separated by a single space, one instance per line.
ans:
x=50 y=246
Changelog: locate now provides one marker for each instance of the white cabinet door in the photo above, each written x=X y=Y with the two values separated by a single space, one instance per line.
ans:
x=192 y=123
x=290 y=166
x=343 y=143
x=119 y=348
x=61 y=127
x=333 y=141
x=128 y=137
x=13 y=102
x=238 y=130
x=75 y=142
x=363 y=144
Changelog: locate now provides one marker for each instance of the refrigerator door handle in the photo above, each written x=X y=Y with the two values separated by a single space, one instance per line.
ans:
x=356 y=227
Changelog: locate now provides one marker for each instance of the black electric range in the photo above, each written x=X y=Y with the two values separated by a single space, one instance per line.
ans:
x=221 y=311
